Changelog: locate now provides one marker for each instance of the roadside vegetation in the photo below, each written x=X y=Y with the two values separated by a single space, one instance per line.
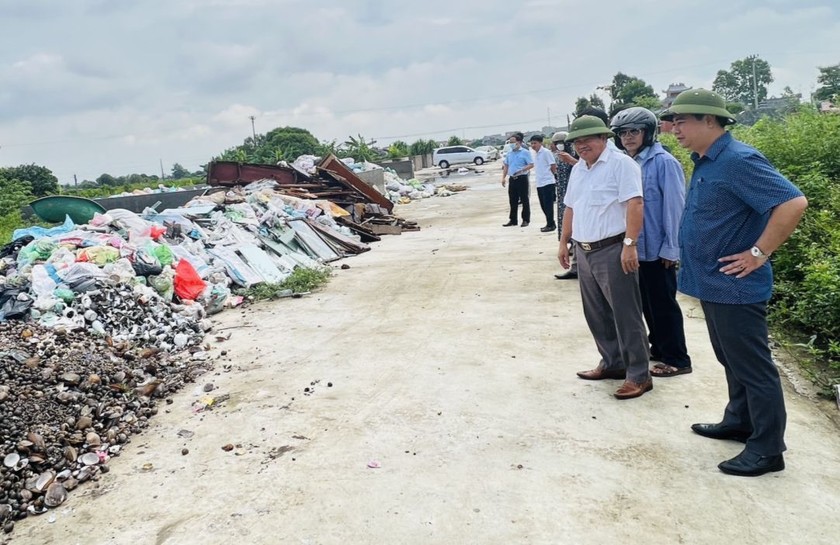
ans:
x=805 y=310
x=300 y=281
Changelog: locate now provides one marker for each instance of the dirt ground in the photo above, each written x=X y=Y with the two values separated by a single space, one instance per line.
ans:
x=452 y=355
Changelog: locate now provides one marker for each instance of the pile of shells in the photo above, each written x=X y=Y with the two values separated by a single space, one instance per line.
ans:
x=137 y=315
x=69 y=401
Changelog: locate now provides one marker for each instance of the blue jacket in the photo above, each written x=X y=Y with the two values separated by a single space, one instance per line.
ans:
x=664 y=193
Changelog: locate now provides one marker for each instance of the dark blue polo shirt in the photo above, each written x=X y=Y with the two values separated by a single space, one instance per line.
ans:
x=733 y=190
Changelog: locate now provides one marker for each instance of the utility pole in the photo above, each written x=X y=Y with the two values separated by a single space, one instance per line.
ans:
x=755 y=85
x=162 y=175
x=75 y=180
x=253 y=130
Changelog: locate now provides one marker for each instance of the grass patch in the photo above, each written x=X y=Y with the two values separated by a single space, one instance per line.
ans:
x=300 y=281
x=812 y=361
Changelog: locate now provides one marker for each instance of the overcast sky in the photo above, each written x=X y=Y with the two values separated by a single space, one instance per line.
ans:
x=116 y=86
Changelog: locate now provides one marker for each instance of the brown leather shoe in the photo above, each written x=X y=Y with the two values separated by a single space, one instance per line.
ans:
x=601 y=373
x=632 y=389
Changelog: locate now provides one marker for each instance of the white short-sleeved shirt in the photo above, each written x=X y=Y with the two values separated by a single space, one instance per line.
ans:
x=598 y=196
x=543 y=160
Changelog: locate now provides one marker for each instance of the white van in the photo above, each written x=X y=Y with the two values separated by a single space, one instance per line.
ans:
x=454 y=155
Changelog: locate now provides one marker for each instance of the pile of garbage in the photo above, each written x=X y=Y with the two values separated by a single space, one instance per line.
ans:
x=98 y=321
x=69 y=402
x=152 y=191
x=119 y=275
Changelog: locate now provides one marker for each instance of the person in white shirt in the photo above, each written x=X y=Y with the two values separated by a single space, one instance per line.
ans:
x=603 y=218
x=545 y=170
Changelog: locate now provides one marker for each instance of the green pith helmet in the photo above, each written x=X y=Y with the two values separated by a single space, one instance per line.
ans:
x=587 y=125
x=698 y=101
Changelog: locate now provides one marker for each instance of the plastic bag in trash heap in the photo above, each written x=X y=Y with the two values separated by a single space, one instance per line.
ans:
x=101 y=220
x=43 y=286
x=101 y=255
x=121 y=270
x=188 y=284
x=79 y=272
x=35 y=252
x=131 y=222
x=41 y=232
x=163 y=283
x=214 y=298
x=305 y=163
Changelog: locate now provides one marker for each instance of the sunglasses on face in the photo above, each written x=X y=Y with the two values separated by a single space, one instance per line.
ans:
x=629 y=132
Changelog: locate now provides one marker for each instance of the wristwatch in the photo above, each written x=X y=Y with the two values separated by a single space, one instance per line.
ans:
x=756 y=252
x=629 y=242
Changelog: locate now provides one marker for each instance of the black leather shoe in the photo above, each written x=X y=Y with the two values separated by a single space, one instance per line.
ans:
x=548 y=228
x=526 y=223
x=748 y=464
x=509 y=224
x=569 y=275
x=719 y=431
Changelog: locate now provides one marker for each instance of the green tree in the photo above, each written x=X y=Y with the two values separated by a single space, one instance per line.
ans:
x=291 y=142
x=280 y=144
x=738 y=83
x=582 y=103
x=829 y=79
x=398 y=149
x=454 y=141
x=14 y=193
x=422 y=147
x=628 y=91
x=360 y=149
x=179 y=172
x=41 y=179
x=106 y=179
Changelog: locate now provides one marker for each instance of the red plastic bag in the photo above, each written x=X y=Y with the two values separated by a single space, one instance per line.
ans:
x=188 y=285
x=156 y=231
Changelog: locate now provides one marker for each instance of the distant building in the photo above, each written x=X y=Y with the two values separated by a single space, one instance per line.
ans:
x=827 y=106
x=671 y=93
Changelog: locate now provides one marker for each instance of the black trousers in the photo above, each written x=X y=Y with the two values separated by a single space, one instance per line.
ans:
x=662 y=313
x=518 y=192
x=547 y=194
x=756 y=402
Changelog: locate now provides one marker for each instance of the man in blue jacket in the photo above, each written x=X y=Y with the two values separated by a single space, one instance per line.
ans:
x=659 y=252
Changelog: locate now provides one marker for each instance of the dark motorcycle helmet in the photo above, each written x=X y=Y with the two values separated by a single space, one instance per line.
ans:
x=635 y=118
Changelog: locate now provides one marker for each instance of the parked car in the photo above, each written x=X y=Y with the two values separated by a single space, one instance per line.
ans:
x=454 y=155
x=492 y=152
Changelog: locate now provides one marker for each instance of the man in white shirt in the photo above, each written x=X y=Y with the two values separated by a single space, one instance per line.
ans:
x=603 y=218
x=545 y=169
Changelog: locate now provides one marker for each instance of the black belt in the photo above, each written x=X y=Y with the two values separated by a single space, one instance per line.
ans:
x=589 y=246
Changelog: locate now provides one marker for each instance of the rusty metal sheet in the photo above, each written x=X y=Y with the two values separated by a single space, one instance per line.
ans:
x=230 y=173
x=343 y=174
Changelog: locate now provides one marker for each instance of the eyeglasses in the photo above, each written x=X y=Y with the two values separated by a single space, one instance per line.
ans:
x=629 y=132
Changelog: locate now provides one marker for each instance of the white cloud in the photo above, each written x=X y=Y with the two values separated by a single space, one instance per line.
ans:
x=99 y=86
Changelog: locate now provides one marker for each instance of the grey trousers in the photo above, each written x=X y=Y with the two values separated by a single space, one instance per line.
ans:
x=612 y=306
x=756 y=402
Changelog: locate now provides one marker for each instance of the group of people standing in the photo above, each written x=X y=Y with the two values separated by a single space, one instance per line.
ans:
x=638 y=235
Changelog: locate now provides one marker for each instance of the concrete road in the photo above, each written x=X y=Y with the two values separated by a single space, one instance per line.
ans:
x=452 y=355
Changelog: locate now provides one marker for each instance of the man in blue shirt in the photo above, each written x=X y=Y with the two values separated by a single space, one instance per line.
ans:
x=517 y=163
x=659 y=252
x=739 y=210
